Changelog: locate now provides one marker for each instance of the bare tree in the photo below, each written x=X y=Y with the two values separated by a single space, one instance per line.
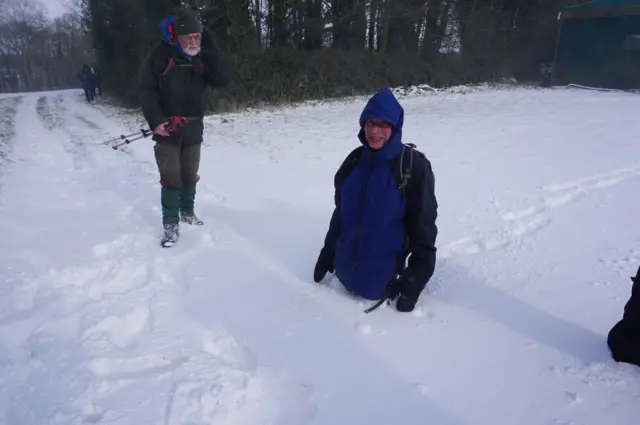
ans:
x=36 y=53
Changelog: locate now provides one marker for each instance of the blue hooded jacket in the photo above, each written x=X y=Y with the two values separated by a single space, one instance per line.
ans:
x=370 y=244
x=167 y=35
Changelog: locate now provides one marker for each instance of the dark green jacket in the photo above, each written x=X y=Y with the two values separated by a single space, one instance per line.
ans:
x=179 y=90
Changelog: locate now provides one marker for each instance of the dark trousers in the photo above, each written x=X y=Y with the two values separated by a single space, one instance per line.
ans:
x=89 y=94
x=178 y=167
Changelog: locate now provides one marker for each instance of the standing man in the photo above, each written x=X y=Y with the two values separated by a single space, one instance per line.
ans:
x=172 y=85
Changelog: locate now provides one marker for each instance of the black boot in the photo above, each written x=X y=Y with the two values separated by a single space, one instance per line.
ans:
x=624 y=337
x=171 y=235
x=190 y=217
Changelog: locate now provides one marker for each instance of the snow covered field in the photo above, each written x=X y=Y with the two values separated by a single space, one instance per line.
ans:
x=539 y=233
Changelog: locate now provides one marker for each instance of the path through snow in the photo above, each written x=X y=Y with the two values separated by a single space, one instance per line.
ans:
x=90 y=316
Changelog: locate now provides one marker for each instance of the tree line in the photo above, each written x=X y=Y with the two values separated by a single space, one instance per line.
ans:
x=291 y=50
x=38 y=53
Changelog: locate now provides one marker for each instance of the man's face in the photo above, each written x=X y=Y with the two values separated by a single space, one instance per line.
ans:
x=377 y=132
x=190 y=43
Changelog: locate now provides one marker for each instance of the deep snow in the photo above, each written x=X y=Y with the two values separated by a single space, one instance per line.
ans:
x=539 y=233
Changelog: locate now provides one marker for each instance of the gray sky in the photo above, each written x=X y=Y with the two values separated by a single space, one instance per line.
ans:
x=54 y=7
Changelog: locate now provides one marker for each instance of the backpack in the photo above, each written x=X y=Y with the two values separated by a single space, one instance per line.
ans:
x=402 y=166
x=171 y=64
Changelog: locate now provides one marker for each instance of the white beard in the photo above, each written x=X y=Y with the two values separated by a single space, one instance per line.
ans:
x=193 y=51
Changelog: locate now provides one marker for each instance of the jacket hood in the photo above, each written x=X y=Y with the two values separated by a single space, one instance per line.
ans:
x=169 y=37
x=384 y=106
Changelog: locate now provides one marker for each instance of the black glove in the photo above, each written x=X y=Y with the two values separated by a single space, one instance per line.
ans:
x=323 y=265
x=407 y=294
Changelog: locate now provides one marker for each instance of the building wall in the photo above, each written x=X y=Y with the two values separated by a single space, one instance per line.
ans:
x=599 y=52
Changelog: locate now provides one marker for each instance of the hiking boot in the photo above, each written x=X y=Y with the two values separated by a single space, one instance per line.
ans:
x=190 y=218
x=171 y=235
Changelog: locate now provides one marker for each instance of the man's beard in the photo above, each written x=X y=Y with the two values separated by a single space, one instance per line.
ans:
x=192 y=51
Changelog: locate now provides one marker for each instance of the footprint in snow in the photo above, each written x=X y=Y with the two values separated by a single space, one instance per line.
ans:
x=123 y=330
x=221 y=345
x=573 y=397
x=92 y=413
x=364 y=328
x=232 y=397
x=135 y=367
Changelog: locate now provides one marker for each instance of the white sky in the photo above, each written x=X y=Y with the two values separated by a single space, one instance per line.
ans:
x=54 y=7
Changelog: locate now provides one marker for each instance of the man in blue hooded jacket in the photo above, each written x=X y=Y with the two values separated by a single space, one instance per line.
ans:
x=385 y=210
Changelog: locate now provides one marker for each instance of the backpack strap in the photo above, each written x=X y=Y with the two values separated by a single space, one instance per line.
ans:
x=170 y=65
x=348 y=165
x=405 y=171
x=402 y=166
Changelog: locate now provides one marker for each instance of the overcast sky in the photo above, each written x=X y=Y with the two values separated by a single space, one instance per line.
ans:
x=54 y=7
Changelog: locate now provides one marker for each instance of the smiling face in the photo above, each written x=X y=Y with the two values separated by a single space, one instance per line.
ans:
x=190 y=43
x=377 y=133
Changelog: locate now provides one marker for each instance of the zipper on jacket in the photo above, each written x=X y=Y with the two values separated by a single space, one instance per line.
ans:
x=363 y=203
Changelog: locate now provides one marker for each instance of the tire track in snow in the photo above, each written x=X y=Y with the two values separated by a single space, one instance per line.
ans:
x=100 y=118
x=139 y=343
x=50 y=110
x=40 y=325
x=76 y=146
x=8 y=109
x=205 y=376
x=534 y=218
x=50 y=117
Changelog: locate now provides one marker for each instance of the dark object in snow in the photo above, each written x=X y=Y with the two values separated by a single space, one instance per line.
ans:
x=624 y=337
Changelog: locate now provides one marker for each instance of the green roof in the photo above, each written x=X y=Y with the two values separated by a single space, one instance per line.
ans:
x=595 y=9
x=603 y=3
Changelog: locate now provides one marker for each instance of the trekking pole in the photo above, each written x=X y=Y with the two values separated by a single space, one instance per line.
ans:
x=120 y=137
x=144 y=133
x=376 y=305
x=390 y=293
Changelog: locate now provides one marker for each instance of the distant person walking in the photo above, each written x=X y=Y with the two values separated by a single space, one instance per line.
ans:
x=97 y=79
x=88 y=81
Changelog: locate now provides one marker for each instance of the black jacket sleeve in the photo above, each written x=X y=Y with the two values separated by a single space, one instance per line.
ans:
x=216 y=67
x=422 y=212
x=334 y=225
x=149 y=90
